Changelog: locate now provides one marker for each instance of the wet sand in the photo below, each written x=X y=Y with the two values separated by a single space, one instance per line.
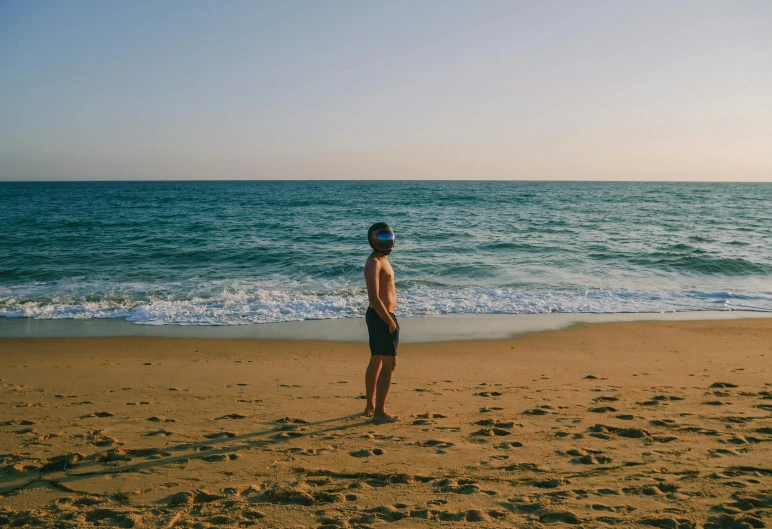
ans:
x=633 y=424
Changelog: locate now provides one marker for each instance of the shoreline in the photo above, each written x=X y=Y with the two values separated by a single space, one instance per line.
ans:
x=441 y=328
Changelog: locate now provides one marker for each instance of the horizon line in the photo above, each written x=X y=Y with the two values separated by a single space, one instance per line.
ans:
x=148 y=180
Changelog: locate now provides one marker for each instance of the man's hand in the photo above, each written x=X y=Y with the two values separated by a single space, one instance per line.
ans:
x=392 y=326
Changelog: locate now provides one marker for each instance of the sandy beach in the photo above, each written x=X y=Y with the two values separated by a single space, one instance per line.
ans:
x=632 y=424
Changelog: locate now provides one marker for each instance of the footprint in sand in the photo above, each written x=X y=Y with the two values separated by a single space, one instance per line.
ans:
x=435 y=443
x=286 y=496
x=602 y=431
x=497 y=424
x=722 y=385
x=98 y=438
x=111 y=518
x=318 y=482
x=62 y=462
x=217 y=458
x=231 y=416
x=603 y=409
x=159 y=419
x=699 y=430
x=31 y=405
x=388 y=513
x=551 y=483
x=663 y=398
x=165 y=433
x=554 y=516
x=663 y=422
x=742 y=440
x=431 y=416
x=366 y=453
x=288 y=431
x=426 y=419
x=508 y=445
x=292 y=420
x=79 y=502
x=23 y=422
x=24 y=431
x=304 y=451
x=204 y=496
x=461 y=486
x=492 y=432
x=588 y=457
x=651 y=490
x=220 y=435
x=122 y=454
x=101 y=414
x=719 y=452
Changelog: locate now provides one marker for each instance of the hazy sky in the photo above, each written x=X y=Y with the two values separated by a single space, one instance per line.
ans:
x=477 y=89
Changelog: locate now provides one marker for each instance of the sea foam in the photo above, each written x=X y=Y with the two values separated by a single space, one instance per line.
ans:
x=236 y=307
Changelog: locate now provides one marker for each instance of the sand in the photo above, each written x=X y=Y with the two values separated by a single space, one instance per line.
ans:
x=643 y=424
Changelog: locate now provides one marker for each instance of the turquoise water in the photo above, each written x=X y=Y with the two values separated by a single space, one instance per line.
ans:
x=249 y=252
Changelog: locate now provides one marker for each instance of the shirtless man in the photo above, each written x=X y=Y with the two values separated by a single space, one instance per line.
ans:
x=382 y=325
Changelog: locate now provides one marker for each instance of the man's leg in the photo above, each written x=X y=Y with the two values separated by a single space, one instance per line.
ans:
x=371 y=376
x=382 y=389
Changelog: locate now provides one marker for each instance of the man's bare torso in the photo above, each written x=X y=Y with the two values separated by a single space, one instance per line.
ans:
x=387 y=292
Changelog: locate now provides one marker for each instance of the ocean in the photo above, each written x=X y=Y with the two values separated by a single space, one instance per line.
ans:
x=238 y=252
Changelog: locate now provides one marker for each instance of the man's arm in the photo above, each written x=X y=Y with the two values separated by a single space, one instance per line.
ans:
x=372 y=271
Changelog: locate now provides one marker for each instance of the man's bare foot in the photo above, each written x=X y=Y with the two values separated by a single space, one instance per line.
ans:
x=384 y=418
x=368 y=412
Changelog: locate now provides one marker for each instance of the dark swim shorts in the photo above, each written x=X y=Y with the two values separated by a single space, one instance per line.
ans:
x=382 y=342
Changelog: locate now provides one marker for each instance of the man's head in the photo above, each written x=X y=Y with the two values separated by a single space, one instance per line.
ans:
x=381 y=238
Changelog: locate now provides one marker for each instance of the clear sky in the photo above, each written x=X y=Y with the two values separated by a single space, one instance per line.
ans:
x=442 y=89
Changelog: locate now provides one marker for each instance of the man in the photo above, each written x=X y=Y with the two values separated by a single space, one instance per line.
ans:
x=382 y=325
